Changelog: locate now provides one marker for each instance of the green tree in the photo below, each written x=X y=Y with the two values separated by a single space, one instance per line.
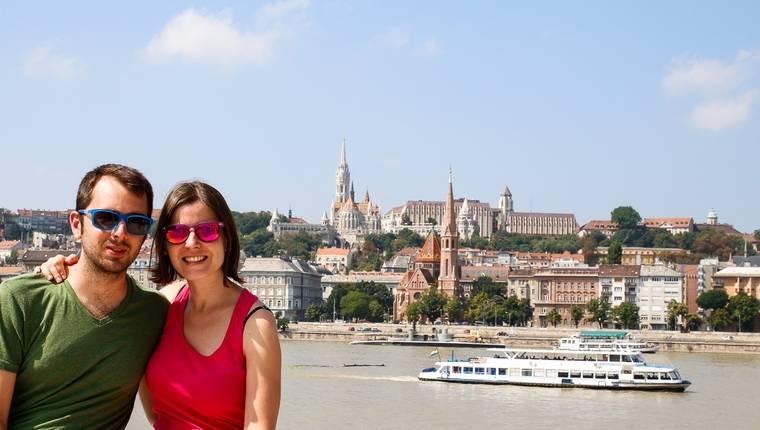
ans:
x=248 y=222
x=553 y=317
x=375 y=311
x=431 y=221
x=625 y=217
x=431 y=303
x=719 y=319
x=336 y=295
x=300 y=245
x=379 y=293
x=12 y=259
x=627 y=315
x=259 y=242
x=454 y=309
x=693 y=322
x=717 y=298
x=599 y=310
x=312 y=312
x=406 y=238
x=355 y=304
x=405 y=220
x=413 y=314
x=757 y=234
x=743 y=309
x=614 y=252
x=676 y=310
x=577 y=313
x=282 y=322
x=484 y=284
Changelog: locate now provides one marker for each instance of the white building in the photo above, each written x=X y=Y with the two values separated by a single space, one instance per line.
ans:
x=283 y=284
x=620 y=283
x=659 y=285
x=334 y=259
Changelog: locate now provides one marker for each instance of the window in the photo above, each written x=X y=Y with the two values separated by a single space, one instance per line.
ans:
x=527 y=372
x=502 y=372
x=562 y=374
x=539 y=373
x=456 y=369
x=467 y=370
x=492 y=371
x=479 y=370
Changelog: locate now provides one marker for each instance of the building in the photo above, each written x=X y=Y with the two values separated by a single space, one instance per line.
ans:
x=281 y=226
x=33 y=258
x=44 y=220
x=673 y=225
x=705 y=270
x=533 y=223
x=561 y=289
x=690 y=273
x=389 y=280
x=633 y=255
x=619 y=283
x=8 y=247
x=336 y=260
x=469 y=274
x=139 y=270
x=522 y=283
x=402 y=261
x=350 y=219
x=659 y=285
x=286 y=285
x=606 y=227
x=739 y=279
x=428 y=215
x=7 y=272
x=448 y=279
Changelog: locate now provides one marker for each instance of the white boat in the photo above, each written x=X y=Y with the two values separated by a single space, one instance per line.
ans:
x=619 y=370
x=605 y=340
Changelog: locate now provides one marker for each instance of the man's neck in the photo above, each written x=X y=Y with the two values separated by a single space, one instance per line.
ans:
x=98 y=291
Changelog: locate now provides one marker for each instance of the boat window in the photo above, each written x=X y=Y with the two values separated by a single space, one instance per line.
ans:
x=491 y=370
x=575 y=374
x=527 y=372
x=479 y=370
x=588 y=375
x=612 y=375
x=456 y=369
x=502 y=372
x=605 y=357
x=638 y=376
x=674 y=375
x=626 y=371
x=539 y=372
x=651 y=375
x=626 y=358
x=551 y=373
x=467 y=370
x=615 y=358
x=562 y=374
x=665 y=376
x=600 y=375
x=636 y=359
x=514 y=372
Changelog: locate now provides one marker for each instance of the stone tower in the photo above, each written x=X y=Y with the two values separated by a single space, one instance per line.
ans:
x=448 y=281
x=505 y=201
x=342 y=178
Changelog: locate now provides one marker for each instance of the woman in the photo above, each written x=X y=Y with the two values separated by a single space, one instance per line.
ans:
x=217 y=365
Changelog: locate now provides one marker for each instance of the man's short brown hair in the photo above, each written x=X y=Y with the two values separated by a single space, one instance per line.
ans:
x=131 y=178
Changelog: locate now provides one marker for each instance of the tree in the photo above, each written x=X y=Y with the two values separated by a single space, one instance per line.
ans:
x=553 y=317
x=484 y=284
x=413 y=314
x=407 y=238
x=259 y=242
x=301 y=245
x=379 y=293
x=312 y=312
x=614 y=252
x=577 y=313
x=676 y=310
x=743 y=309
x=599 y=310
x=717 y=298
x=431 y=303
x=693 y=322
x=719 y=319
x=625 y=217
x=375 y=311
x=431 y=221
x=627 y=315
x=282 y=322
x=12 y=259
x=757 y=234
x=405 y=220
x=454 y=309
x=355 y=304
x=248 y=222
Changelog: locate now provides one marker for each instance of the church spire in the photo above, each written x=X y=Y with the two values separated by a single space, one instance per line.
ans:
x=343 y=159
x=448 y=281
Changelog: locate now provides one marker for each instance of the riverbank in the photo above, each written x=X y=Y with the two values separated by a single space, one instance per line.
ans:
x=720 y=342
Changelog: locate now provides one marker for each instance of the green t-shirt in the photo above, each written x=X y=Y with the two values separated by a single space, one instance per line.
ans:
x=73 y=371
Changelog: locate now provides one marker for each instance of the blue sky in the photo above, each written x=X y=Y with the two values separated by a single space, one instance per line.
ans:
x=576 y=106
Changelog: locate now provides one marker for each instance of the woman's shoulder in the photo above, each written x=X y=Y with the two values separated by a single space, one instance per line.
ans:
x=170 y=291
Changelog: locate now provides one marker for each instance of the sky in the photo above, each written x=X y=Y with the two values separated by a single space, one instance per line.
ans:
x=578 y=107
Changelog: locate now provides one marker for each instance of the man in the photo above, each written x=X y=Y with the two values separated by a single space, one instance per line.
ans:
x=72 y=354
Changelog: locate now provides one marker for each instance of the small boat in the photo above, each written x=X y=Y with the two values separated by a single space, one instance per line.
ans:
x=605 y=340
x=613 y=370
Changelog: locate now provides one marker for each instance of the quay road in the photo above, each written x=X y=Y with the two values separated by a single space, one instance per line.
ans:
x=673 y=341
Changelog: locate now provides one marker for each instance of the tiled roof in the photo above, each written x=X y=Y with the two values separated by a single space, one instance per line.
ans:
x=674 y=222
x=8 y=244
x=11 y=270
x=539 y=215
x=647 y=270
x=620 y=270
x=731 y=272
x=333 y=251
x=496 y=273
x=431 y=250
x=275 y=264
x=600 y=225
x=38 y=256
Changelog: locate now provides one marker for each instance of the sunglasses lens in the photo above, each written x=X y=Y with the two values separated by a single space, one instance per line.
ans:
x=138 y=225
x=177 y=233
x=207 y=232
x=105 y=220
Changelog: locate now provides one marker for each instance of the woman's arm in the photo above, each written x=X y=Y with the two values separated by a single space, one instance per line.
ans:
x=261 y=347
x=147 y=402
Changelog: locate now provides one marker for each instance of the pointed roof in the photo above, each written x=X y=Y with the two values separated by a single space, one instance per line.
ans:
x=465 y=209
x=366 y=197
x=449 y=226
x=431 y=250
x=349 y=204
x=506 y=191
x=343 y=159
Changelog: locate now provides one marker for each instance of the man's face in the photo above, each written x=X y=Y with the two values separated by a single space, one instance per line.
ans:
x=109 y=251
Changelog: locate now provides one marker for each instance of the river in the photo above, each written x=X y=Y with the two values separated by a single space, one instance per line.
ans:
x=320 y=393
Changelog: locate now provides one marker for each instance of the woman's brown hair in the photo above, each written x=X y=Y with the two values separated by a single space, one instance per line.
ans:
x=186 y=193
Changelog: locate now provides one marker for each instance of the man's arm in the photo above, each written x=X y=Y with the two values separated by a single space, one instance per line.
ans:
x=7 y=382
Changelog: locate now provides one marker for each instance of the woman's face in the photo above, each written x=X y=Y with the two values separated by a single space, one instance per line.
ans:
x=196 y=260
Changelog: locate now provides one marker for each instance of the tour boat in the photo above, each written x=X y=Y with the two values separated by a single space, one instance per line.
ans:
x=615 y=370
x=605 y=340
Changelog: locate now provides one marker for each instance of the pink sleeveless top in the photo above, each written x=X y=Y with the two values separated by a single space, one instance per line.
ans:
x=194 y=391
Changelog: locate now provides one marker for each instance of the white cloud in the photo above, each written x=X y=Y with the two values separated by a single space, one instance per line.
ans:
x=45 y=61
x=718 y=115
x=214 y=39
x=395 y=37
x=709 y=76
x=430 y=48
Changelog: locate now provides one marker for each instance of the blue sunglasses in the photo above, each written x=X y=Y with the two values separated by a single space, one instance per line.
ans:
x=108 y=220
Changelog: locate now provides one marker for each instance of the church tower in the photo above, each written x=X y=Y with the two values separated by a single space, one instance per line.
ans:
x=448 y=281
x=342 y=178
x=505 y=201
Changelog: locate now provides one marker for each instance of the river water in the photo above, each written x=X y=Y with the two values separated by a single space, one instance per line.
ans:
x=320 y=393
